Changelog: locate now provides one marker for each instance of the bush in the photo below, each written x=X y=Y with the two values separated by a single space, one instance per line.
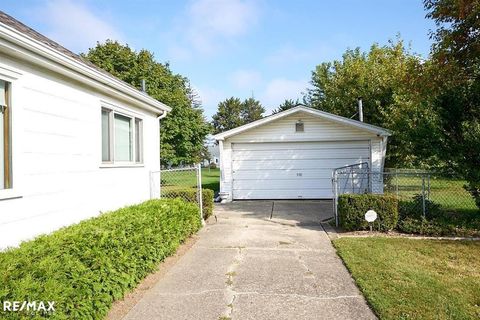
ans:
x=352 y=208
x=435 y=228
x=190 y=195
x=414 y=208
x=85 y=267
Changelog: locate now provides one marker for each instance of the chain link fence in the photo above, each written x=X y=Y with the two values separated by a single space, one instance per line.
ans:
x=184 y=183
x=422 y=192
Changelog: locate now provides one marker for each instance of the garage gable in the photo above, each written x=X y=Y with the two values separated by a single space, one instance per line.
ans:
x=281 y=126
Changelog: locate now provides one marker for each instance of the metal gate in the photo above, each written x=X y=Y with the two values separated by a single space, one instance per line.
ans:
x=184 y=183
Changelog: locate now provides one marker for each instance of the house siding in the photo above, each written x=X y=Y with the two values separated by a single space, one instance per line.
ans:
x=58 y=177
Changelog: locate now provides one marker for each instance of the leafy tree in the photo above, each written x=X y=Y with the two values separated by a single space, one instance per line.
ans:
x=228 y=116
x=233 y=113
x=184 y=129
x=456 y=59
x=287 y=104
x=385 y=77
x=252 y=110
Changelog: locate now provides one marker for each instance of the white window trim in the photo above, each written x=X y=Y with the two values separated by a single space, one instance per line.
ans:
x=133 y=116
x=11 y=76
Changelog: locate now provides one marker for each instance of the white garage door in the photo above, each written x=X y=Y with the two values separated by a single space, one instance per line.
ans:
x=291 y=170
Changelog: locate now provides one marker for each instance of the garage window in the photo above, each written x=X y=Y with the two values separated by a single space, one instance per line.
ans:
x=299 y=126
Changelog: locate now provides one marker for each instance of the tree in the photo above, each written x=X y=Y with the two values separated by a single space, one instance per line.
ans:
x=228 y=115
x=287 y=104
x=233 y=113
x=184 y=129
x=456 y=58
x=386 y=78
x=252 y=110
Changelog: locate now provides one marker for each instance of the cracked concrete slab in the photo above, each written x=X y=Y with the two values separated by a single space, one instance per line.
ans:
x=250 y=266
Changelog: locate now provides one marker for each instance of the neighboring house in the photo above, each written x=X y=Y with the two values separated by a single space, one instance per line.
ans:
x=214 y=153
x=291 y=155
x=74 y=140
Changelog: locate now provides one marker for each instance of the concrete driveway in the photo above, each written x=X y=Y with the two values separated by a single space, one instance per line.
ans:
x=261 y=260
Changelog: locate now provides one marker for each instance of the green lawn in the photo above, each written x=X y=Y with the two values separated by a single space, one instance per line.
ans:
x=187 y=179
x=415 y=279
x=447 y=192
x=211 y=179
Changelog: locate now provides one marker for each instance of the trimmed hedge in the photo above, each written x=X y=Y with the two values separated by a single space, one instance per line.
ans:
x=352 y=208
x=190 y=195
x=85 y=267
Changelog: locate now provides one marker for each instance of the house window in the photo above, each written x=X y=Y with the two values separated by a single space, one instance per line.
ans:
x=5 y=137
x=121 y=138
x=299 y=126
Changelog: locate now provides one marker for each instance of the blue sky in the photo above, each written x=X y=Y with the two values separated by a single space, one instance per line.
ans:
x=232 y=47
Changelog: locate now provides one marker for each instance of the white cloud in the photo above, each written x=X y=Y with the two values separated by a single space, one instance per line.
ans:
x=279 y=89
x=246 y=79
x=75 y=26
x=208 y=24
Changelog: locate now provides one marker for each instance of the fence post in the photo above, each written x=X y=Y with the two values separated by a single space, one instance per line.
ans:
x=335 y=197
x=396 y=182
x=199 y=191
x=428 y=181
x=423 y=195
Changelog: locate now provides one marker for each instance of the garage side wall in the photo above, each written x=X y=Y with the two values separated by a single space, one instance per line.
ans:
x=283 y=130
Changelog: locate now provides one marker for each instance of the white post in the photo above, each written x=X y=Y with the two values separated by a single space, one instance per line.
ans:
x=199 y=190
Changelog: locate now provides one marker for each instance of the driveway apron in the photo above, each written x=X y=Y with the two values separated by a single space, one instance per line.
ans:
x=260 y=260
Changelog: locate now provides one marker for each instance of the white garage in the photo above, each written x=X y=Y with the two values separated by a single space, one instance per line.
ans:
x=291 y=155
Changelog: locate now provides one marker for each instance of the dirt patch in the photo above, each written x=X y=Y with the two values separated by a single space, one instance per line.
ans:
x=120 y=308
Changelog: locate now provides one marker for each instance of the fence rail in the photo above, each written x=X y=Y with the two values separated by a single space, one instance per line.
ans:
x=421 y=190
x=184 y=183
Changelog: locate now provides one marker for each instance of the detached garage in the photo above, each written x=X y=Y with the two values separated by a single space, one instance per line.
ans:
x=291 y=155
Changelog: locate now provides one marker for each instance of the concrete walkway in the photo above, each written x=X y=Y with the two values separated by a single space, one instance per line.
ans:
x=248 y=266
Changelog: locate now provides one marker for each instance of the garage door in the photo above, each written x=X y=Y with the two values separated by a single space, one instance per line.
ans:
x=291 y=170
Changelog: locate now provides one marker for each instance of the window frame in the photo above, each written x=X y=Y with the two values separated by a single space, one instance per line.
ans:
x=133 y=138
x=6 y=143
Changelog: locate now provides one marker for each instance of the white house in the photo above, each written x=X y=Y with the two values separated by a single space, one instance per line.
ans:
x=214 y=153
x=74 y=140
x=291 y=155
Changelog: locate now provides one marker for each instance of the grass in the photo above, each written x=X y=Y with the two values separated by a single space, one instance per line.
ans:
x=415 y=279
x=185 y=179
x=211 y=179
x=447 y=192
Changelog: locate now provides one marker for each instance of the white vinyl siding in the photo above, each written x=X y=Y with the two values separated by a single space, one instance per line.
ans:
x=291 y=170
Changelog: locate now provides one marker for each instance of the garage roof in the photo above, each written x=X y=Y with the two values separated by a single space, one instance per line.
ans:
x=321 y=114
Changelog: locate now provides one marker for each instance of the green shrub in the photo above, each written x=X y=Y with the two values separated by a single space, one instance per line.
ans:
x=190 y=195
x=85 y=267
x=435 y=228
x=414 y=208
x=352 y=208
